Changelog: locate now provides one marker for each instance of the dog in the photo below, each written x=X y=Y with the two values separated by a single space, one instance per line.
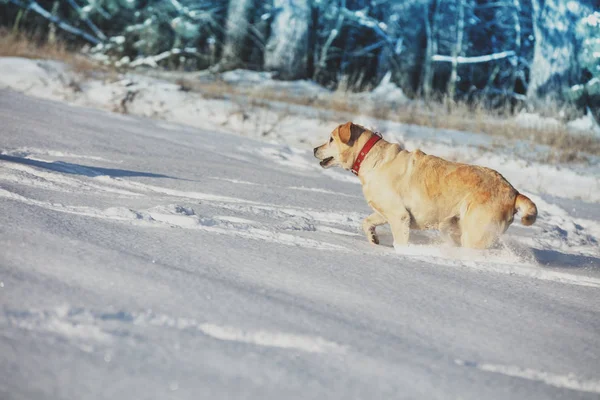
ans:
x=470 y=205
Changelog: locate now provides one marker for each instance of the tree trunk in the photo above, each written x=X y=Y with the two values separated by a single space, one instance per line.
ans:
x=554 y=65
x=405 y=60
x=460 y=28
x=287 y=49
x=236 y=47
x=431 y=49
x=387 y=58
x=323 y=56
x=517 y=28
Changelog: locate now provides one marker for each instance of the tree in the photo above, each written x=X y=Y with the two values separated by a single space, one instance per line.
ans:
x=460 y=30
x=473 y=50
x=430 y=22
x=554 y=66
x=516 y=12
x=287 y=49
x=237 y=31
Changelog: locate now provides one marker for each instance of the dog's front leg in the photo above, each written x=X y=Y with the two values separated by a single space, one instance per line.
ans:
x=400 y=223
x=369 y=225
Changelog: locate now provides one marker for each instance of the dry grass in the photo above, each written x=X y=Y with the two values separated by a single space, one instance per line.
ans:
x=16 y=45
x=564 y=146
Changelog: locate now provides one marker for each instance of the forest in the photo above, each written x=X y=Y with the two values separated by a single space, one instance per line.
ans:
x=515 y=53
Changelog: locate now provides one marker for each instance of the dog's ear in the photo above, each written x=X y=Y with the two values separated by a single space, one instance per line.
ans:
x=347 y=132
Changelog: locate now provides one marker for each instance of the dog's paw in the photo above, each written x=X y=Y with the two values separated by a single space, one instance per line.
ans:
x=371 y=234
x=399 y=247
x=373 y=239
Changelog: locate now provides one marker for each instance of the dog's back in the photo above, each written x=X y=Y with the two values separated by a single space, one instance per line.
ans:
x=477 y=202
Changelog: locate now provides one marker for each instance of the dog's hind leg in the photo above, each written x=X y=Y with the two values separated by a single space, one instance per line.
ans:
x=479 y=229
x=450 y=230
x=478 y=240
x=369 y=225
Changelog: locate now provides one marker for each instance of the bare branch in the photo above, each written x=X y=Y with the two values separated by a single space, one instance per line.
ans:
x=362 y=19
x=332 y=35
x=152 y=61
x=59 y=22
x=367 y=49
x=474 y=60
x=89 y=22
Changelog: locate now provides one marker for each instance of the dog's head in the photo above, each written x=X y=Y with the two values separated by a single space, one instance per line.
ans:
x=339 y=149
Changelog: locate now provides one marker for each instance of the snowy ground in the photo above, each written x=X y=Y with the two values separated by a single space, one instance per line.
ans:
x=144 y=259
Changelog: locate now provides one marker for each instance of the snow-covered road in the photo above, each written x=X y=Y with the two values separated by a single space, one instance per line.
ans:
x=140 y=259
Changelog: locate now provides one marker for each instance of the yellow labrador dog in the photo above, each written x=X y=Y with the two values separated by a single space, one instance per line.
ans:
x=470 y=205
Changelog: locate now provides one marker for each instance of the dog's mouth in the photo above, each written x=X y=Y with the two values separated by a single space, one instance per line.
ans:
x=325 y=163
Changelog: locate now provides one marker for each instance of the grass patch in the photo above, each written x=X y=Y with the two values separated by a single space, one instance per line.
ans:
x=565 y=146
x=18 y=45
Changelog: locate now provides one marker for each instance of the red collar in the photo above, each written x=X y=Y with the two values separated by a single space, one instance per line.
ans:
x=364 y=151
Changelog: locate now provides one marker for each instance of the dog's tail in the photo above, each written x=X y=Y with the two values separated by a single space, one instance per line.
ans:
x=527 y=209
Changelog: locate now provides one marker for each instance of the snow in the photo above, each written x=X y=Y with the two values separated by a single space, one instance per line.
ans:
x=561 y=381
x=585 y=125
x=386 y=92
x=141 y=257
x=272 y=339
x=533 y=120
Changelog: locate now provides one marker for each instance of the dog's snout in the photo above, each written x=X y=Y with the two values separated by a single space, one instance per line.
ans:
x=315 y=151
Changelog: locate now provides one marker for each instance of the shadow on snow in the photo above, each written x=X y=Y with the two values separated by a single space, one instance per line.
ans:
x=77 y=169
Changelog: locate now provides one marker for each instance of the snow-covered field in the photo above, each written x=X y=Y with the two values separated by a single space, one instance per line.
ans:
x=146 y=259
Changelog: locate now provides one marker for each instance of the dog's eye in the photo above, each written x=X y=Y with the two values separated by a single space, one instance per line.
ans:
x=331 y=140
